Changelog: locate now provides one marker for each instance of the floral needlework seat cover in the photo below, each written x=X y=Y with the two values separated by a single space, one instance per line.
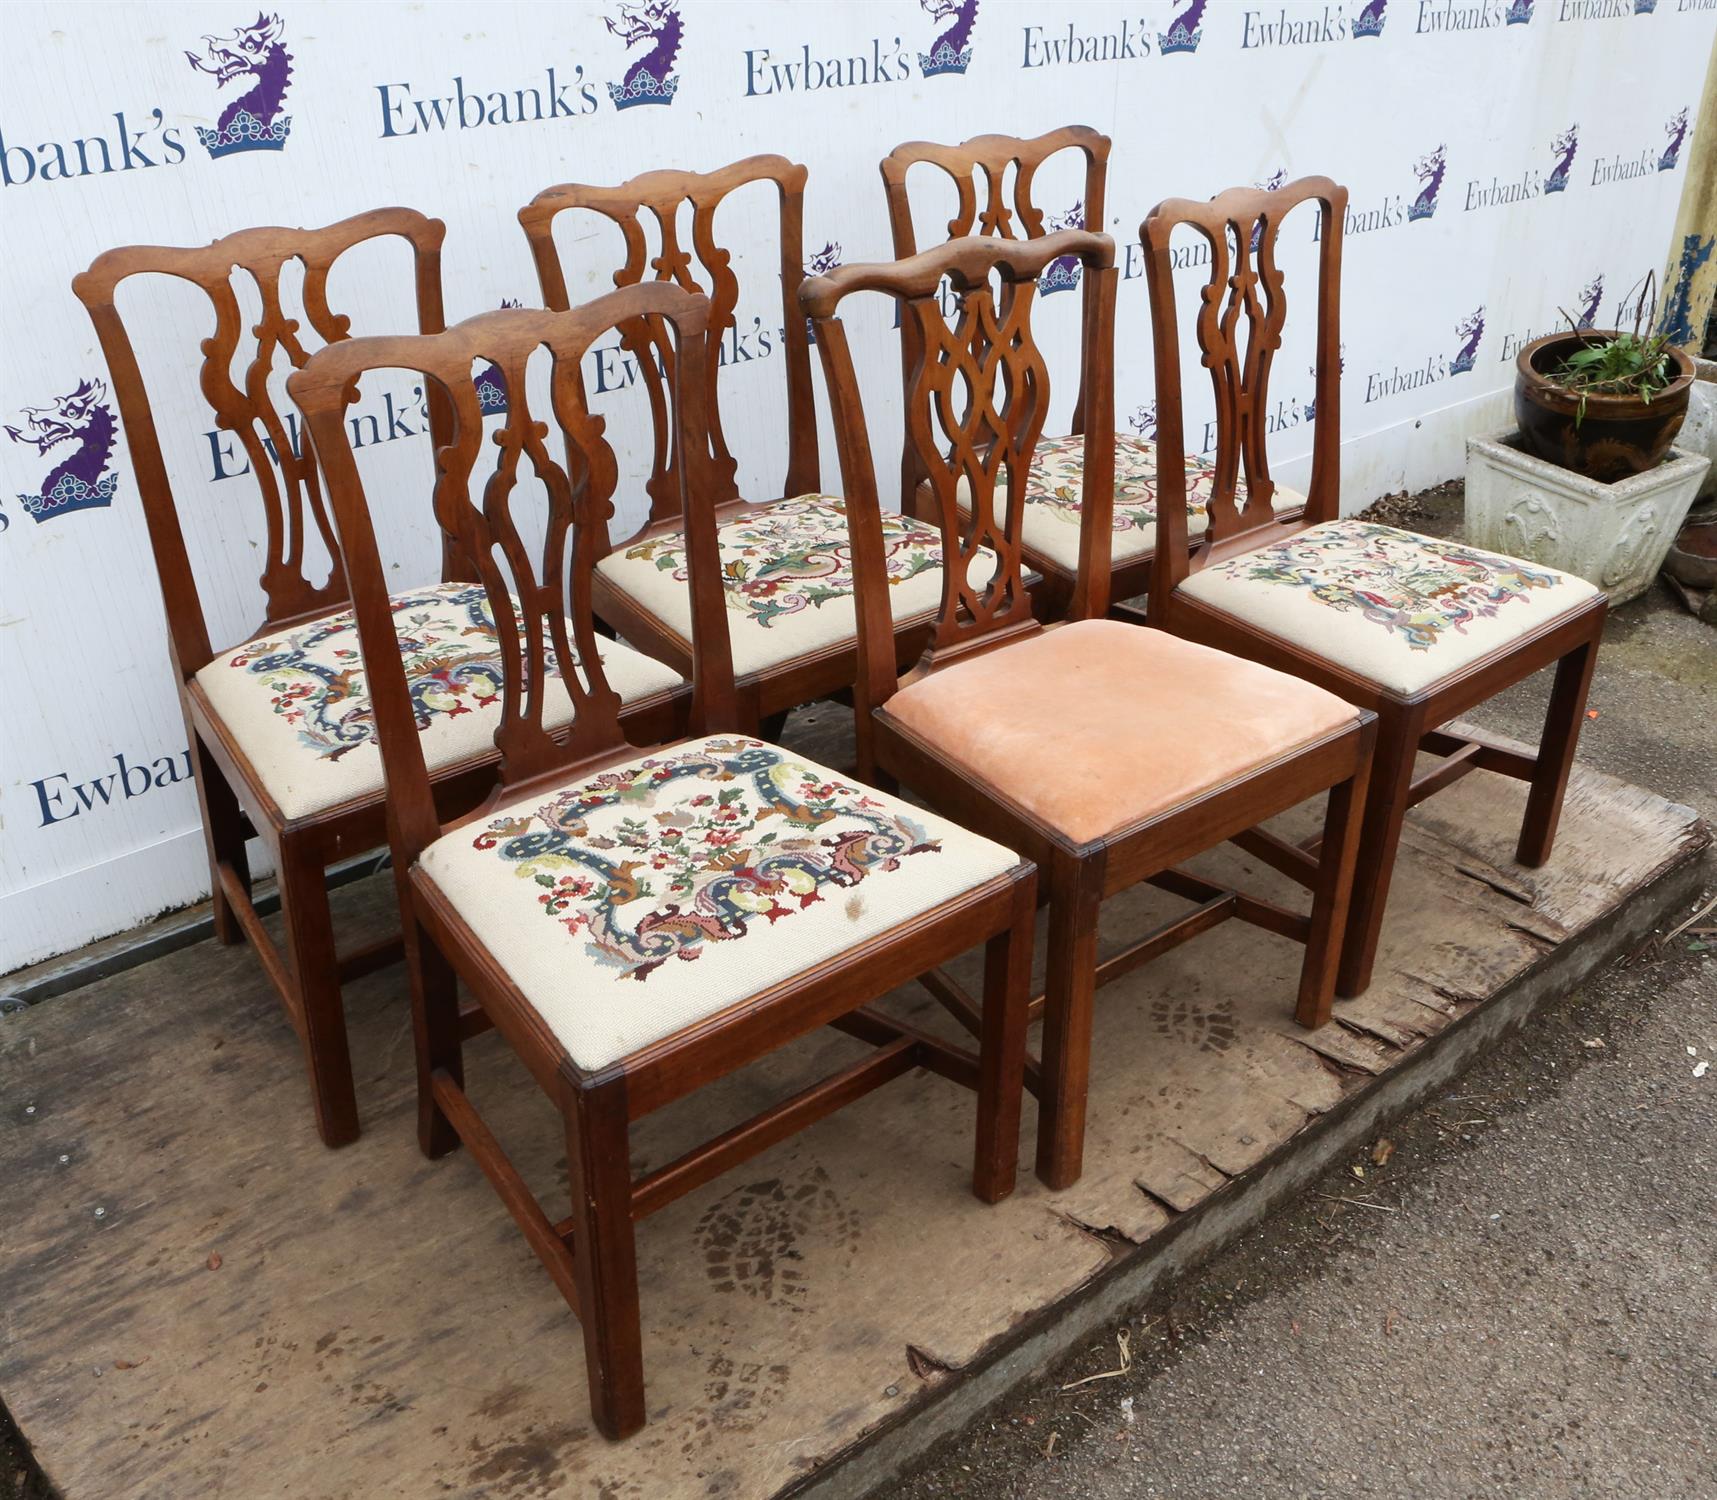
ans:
x=1055 y=494
x=787 y=570
x=297 y=701
x=634 y=903
x=1401 y=609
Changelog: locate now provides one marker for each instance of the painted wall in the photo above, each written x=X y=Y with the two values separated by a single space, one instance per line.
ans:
x=1506 y=159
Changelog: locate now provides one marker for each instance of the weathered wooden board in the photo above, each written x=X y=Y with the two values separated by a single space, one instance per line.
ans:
x=376 y=1327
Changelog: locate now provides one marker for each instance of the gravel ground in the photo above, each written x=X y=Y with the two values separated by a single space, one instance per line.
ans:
x=1528 y=1310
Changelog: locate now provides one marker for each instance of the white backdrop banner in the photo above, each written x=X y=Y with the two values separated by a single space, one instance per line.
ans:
x=1508 y=160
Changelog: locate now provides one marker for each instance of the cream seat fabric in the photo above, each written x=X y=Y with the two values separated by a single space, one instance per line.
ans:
x=1055 y=494
x=787 y=571
x=1400 y=609
x=1098 y=725
x=298 y=704
x=633 y=904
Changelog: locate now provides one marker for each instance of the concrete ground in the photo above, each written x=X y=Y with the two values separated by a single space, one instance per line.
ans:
x=1512 y=1295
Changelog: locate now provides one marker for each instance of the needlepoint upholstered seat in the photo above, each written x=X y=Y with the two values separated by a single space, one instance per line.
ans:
x=630 y=905
x=297 y=702
x=1179 y=719
x=1397 y=608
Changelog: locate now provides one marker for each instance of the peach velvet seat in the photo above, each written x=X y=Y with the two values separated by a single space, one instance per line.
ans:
x=1098 y=725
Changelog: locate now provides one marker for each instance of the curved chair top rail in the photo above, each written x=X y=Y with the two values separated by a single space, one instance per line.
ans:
x=531 y=600
x=1242 y=227
x=976 y=399
x=992 y=155
x=661 y=194
x=281 y=471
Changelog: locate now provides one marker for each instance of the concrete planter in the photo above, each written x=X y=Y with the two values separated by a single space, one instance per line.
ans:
x=1699 y=432
x=1613 y=535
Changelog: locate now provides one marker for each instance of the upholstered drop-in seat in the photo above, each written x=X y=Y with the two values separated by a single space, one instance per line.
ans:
x=1096 y=726
x=1402 y=610
x=1055 y=494
x=788 y=578
x=640 y=901
x=298 y=705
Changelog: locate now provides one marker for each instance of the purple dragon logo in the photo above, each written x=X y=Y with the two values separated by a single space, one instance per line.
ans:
x=1676 y=130
x=951 y=52
x=820 y=264
x=490 y=382
x=1469 y=331
x=1519 y=13
x=649 y=79
x=79 y=481
x=1185 y=32
x=1429 y=170
x=253 y=121
x=1369 y=22
x=1062 y=273
x=1311 y=407
x=1565 y=145
x=1591 y=294
x=1144 y=420
x=1269 y=185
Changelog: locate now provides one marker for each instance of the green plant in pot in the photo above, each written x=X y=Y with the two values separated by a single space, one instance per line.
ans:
x=1606 y=403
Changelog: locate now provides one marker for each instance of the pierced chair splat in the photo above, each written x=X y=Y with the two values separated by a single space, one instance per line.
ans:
x=787 y=580
x=997 y=183
x=1414 y=628
x=283 y=747
x=1104 y=751
x=636 y=922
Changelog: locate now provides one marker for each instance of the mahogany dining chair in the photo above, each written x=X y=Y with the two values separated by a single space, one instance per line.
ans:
x=786 y=575
x=283 y=746
x=636 y=922
x=1416 y=629
x=1104 y=751
x=996 y=182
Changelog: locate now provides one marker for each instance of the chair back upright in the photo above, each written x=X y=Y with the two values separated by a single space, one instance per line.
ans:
x=699 y=262
x=1007 y=210
x=1242 y=228
x=532 y=598
x=279 y=466
x=976 y=399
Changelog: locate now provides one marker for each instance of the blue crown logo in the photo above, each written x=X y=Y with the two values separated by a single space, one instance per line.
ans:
x=245 y=133
x=1418 y=210
x=1644 y=7
x=1369 y=22
x=643 y=87
x=1519 y=13
x=69 y=494
x=944 y=60
x=1059 y=276
x=1178 y=39
x=1461 y=363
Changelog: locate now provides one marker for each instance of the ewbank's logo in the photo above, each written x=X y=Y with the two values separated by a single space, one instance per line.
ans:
x=1591 y=294
x=1185 y=33
x=254 y=55
x=1369 y=22
x=1062 y=273
x=490 y=382
x=1676 y=130
x=1677 y=320
x=650 y=79
x=1469 y=331
x=1430 y=171
x=1519 y=13
x=1565 y=146
x=80 y=481
x=951 y=52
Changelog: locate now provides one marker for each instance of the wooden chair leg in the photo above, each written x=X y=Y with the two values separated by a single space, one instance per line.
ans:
x=1379 y=839
x=1069 y=990
x=435 y=1032
x=316 y=977
x=223 y=835
x=1562 y=723
x=1337 y=855
x=605 y=1253
x=1001 y=1055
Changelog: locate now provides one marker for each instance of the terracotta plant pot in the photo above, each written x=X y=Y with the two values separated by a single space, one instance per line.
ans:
x=1618 y=436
